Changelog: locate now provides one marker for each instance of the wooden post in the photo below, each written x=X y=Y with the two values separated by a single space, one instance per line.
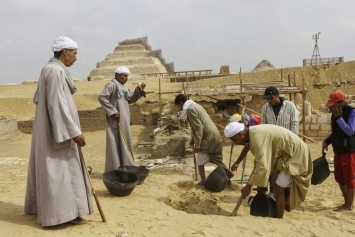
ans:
x=281 y=74
x=289 y=85
x=159 y=96
x=241 y=86
x=294 y=84
x=303 y=107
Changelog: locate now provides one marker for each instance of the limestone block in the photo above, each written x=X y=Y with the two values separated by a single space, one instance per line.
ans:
x=314 y=118
x=312 y=133
x=323 y=134
x=323 y=108
x=325 y=127
x=308 y=119
x=315 y=126
x=8 y=129
x=322 y=119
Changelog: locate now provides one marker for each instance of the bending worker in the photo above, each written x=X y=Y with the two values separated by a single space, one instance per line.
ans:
x=278 y=150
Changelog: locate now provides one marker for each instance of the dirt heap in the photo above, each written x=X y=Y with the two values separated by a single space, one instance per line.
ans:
x=264 y=65
x=137 y=55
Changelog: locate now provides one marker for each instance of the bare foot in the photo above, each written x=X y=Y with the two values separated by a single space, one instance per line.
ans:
x=343 y=208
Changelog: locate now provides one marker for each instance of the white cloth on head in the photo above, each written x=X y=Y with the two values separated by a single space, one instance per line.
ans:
x=122 y=70
x=233 y=128
x=63 y=42
x=185 y=107
x=202 y=158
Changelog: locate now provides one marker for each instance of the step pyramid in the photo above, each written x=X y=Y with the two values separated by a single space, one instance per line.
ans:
x=137 y=55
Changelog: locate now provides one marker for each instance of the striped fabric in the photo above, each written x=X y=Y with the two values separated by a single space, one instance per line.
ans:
x=287 y=118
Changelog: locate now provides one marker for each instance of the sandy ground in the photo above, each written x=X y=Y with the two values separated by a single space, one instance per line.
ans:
x=168 y=203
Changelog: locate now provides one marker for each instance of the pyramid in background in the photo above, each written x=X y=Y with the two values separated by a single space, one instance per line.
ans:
x=264 y=65
x=137 y=55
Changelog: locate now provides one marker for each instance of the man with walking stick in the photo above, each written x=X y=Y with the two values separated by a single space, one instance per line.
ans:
x=58 y=190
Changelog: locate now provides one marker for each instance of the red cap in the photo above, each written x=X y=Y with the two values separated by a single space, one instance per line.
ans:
x=335 y=97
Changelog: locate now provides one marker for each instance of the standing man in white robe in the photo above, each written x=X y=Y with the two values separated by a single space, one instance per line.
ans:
x=278 y=150
x=115 y=99
x=58 y=189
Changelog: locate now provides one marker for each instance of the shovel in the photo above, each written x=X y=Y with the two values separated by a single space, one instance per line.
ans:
x=195 y=164
x=230 y=156
x=234 y=212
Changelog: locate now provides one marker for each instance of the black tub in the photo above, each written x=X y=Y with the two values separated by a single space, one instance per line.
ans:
x=119 y=182
x=141 y=171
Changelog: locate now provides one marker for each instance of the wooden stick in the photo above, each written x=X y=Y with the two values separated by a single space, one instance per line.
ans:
x=82 y=160
x=234 y=212
x=195 y=164
x=251 y=110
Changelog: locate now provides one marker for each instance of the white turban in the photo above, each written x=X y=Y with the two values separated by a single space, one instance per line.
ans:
x=63 y=42
x=233 y=128
x=122 y=70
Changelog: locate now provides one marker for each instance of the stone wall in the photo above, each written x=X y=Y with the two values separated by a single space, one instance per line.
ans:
x=92 y=120
x=8 y=129
x=316 y=126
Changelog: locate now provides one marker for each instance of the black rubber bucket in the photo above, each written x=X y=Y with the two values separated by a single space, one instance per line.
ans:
x=119 y=182
x=321 y=170
x=217 y=180
x=141 y=171
x=262 y=205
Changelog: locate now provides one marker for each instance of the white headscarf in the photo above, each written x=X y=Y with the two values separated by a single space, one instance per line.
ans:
x=63 y=42
x=122 y=70
x=186 y=106
x=233 y=129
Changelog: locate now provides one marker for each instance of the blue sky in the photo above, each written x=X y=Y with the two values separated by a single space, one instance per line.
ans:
x=194 y=34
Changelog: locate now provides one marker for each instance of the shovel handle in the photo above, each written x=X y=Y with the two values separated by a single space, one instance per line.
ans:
x=195 y=164
x=234 y=212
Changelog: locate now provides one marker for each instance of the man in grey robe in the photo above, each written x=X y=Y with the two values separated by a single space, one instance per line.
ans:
x=58 y=189
x=276 y=149
x=205 y=138
x=115 y=99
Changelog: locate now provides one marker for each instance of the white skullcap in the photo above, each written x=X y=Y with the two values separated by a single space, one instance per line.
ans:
x=63 y=42
x=233 y=128
x=122 y=70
